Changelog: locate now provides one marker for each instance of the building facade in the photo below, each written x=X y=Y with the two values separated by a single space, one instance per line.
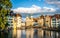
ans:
x=10 y=19
x=10 y=22
x=14 y=22
x=47 y=21
x=17 y=21
x=29 y=21
x=41 y=21
x=55 y=21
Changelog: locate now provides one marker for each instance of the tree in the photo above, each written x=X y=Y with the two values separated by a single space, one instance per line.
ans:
x=5 y=6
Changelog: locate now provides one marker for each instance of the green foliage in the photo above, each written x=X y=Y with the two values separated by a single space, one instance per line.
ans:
x=5 y=6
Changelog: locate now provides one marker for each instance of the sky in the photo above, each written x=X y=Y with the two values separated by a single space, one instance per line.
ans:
x=29 y=3
x=36 y=6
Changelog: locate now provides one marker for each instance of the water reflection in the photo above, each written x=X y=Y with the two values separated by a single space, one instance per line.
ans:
x=18 y=33
x=30 y=33
x=40 y=33
x=14 y=33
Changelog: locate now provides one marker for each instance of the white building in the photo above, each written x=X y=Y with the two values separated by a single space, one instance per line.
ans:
x=10 y=22
x=10 y=19
x=58 y=23
x=55 y=21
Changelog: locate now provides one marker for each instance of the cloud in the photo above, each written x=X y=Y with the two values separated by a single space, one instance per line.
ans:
x=33 y=9
x=55 y=2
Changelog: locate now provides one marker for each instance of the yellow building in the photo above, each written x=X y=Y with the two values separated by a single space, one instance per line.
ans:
x=17 y=21
x=14 y=23
x=41 y=21
x=47 y=21
x=29 y=21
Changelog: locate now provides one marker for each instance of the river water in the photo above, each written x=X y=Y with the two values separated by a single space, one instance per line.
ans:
x=30 y=33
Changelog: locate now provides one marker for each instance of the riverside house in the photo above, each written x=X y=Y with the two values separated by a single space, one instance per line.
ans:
x=17 y=21
x=10 y=19
x=55 y=21
x=41 y=21
x=48 y=21
x=29 y=21
x=58 y=20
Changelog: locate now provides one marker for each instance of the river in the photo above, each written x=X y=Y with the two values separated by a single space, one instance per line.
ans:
x=30 y=33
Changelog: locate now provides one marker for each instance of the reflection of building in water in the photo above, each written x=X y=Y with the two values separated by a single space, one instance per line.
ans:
x=32 y=33
x=58 y=35
x=23 y=33
x=18 y=33
x=35 y=33
x=40 y=33
x=29 y=21
x=29 y=33
x=54 y=34
x=14 y=33
x=41 y=20
x=48 y=34
x=17 y=21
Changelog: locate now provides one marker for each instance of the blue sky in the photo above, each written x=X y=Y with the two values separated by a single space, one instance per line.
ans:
x=25 y=3
x=28 y=3
x=36 y=6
